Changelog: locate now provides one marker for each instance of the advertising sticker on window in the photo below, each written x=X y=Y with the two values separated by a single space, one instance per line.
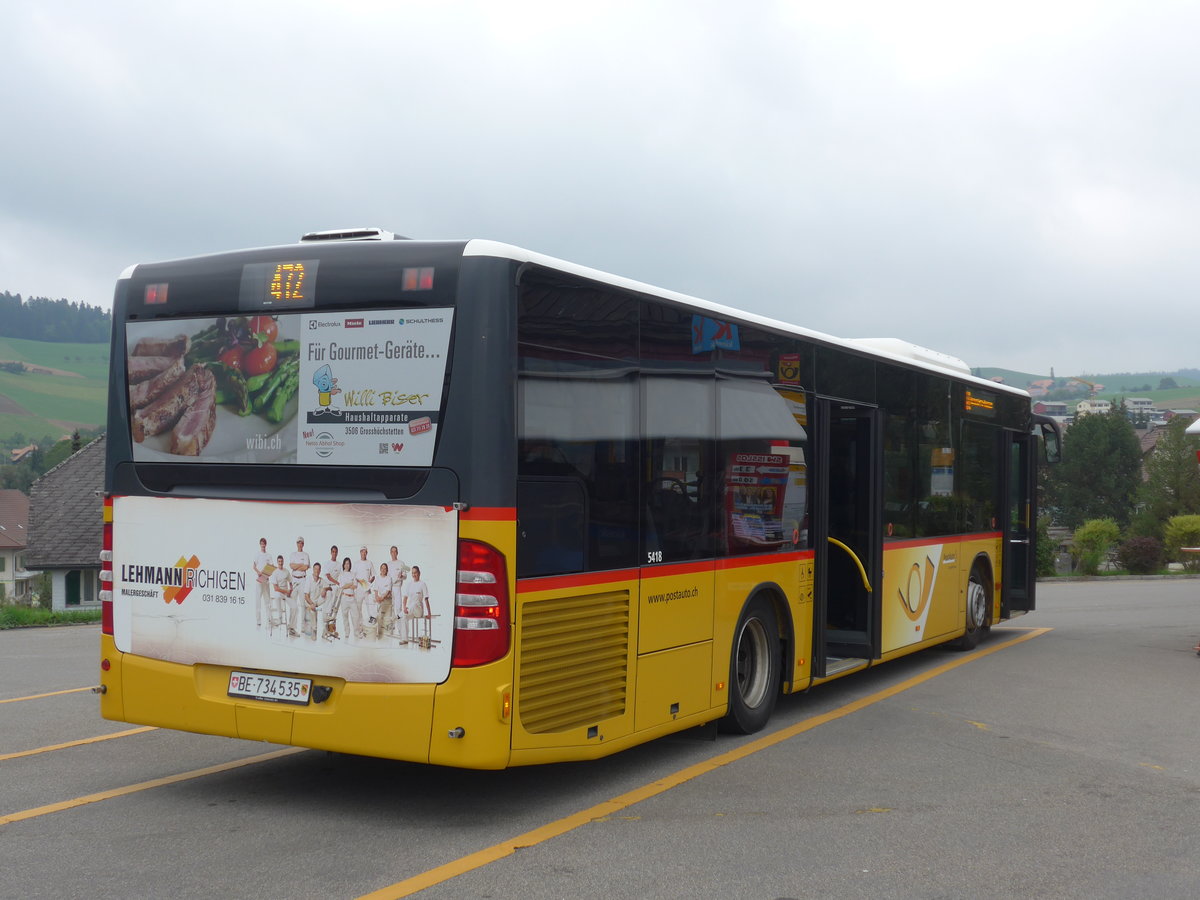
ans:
x=314 y=388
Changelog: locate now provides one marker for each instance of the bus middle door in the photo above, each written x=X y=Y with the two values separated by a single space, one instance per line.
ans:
x=848 y=536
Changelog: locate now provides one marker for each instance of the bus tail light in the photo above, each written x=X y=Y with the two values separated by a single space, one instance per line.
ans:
x=106 y=570
x=481 y=615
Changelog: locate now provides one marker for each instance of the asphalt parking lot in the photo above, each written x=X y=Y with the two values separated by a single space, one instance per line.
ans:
x=1058 y=760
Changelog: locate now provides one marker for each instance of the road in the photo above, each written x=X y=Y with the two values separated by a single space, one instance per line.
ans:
x=1057 y=760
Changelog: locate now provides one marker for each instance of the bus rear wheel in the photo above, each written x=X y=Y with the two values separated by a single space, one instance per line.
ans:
x=754 y=668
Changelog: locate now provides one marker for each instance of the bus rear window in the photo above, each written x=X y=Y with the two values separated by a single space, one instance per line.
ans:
x=311 y=388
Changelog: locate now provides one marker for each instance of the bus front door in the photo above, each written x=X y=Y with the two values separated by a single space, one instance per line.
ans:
x=848 y=548
x=1020 y=525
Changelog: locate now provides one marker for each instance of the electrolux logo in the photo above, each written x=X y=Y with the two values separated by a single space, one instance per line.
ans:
x=314 y=324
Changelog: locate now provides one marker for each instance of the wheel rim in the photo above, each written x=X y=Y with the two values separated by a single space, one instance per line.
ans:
x=753 y=668
x=976 y=604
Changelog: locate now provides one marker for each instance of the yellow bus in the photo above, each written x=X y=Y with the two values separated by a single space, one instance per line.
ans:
x=466 y=504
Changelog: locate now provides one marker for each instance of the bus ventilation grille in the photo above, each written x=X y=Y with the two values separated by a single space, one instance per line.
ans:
x=574 y=660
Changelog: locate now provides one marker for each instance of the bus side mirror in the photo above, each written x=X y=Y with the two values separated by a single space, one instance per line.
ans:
x=1051 y=441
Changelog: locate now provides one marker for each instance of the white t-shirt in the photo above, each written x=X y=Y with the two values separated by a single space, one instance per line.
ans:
x=364 y=571
x=281 y=581
x=299 y=558
x=261 y=561
x=416 y=595
x=313 y=588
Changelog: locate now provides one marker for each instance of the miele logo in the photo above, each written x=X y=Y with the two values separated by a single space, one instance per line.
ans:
x=354 y=323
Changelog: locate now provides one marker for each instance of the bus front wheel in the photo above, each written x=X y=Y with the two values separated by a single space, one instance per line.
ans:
x=978 y=597
x=753 y=668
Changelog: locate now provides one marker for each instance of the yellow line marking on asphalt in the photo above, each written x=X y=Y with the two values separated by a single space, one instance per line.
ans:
x=480 y=858
x=143 y=786
x=51 y=694
x=79 y=743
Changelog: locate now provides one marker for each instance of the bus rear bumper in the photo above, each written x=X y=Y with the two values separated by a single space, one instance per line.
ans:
x=385 y=720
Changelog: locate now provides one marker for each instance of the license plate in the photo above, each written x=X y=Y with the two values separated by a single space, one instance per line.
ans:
x=275 y=688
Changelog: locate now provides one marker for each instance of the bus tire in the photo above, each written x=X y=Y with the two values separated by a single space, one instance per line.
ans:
x=977 y=609
x=754 y=668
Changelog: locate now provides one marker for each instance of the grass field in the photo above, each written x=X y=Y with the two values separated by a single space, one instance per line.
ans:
x=36 y=404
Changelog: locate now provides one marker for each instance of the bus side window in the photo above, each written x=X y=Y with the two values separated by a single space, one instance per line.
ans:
x=577 y=470
x=551 y=526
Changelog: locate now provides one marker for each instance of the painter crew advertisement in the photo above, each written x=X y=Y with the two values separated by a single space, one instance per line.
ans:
x=363 y=592
x=339 y=388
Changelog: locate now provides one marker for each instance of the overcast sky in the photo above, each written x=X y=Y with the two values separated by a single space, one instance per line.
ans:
x=1016 y=184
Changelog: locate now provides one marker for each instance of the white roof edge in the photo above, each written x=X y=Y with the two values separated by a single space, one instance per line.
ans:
x=950 y=365
x=127 y=273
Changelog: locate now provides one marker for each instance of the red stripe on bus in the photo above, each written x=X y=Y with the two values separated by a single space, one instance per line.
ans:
x=667 y=570
x=587 y=579
x=764 y=559
x=489 y=514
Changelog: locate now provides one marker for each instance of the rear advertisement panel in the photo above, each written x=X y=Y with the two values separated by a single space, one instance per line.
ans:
x=363 y=592
x=314 y=388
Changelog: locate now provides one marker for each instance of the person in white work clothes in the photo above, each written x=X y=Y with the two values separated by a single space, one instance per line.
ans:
x=398 y=572
x=299 y=562
x=281 y=592
x=344 y=600
x=262 y=577
x=416 y=602
x=364 y=574
x=314 y=595
x=380 y=602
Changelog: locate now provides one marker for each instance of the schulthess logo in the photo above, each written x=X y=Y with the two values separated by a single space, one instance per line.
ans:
x=354 y=323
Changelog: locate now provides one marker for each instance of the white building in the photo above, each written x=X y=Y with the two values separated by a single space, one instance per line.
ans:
x=1093 y=405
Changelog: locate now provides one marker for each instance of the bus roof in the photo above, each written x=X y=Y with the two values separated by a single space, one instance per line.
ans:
x=887 y=348
x=892 y=349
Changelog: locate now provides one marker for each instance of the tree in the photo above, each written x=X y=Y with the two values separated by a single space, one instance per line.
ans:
x=1100 y=473
x=1172 y=486
x=1167 y=384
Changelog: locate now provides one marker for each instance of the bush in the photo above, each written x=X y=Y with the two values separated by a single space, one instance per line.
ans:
x=1183 y=531
x=1093 y=544
x=24 y=617
x=1140 y=555
x=1045 y=550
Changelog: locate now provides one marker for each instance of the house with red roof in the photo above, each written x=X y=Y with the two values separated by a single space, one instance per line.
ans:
x=15 y=581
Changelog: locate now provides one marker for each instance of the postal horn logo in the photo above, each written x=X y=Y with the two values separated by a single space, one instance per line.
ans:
x=916 y=594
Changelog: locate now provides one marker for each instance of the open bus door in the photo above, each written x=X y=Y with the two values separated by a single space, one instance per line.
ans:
x=848 y=535
x=1020 y=525
x=1020 y=514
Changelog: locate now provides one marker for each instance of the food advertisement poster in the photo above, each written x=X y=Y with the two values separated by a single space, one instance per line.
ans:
x=754 y=492
x=363 y=592
x=359 y=388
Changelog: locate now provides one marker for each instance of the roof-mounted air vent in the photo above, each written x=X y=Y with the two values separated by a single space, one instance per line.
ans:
x=353 y=234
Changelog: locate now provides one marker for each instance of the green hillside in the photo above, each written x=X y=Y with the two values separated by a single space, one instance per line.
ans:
x=63 y=387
